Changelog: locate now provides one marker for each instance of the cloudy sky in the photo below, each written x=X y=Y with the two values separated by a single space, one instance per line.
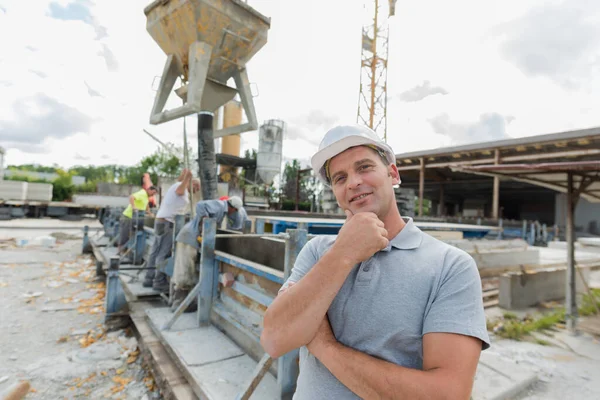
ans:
x=77 y=77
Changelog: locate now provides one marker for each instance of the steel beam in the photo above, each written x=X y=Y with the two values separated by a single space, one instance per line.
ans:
x=208 y=271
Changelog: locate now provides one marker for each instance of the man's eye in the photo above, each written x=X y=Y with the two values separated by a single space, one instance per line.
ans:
x=364 y=167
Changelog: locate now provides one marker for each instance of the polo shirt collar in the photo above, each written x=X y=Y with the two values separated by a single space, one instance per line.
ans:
x=410 y=237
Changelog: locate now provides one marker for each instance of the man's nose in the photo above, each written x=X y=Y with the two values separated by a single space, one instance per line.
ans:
x=354 y=180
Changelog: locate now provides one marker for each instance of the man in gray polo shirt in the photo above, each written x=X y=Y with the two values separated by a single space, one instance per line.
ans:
x=382 y=310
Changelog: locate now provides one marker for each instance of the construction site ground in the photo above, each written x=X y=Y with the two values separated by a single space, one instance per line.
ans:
x=51 y=319
x=52 y=333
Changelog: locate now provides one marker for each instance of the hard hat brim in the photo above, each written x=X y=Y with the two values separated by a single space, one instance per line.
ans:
x=320 y=158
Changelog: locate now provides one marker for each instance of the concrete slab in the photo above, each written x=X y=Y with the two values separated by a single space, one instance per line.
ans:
x=225 y=379
x=499 y=379
x=201 y=345
x=558 y=256
x=160 y=315
x=582 y=344
x=507 y=257
x=594 y=281
x=102 y=241
x=595 y=242
x=518 y=290
x=135 y=288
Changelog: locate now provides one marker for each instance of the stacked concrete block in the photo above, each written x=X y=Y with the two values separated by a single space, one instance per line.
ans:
x=39 y=191
x=13 y=190
x=521 y=290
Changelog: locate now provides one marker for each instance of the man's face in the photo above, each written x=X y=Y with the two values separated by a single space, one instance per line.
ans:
x=195 y=186
x=361 y=182
x=151 y=192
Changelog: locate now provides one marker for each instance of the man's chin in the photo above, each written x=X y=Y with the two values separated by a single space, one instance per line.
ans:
x=364 y=208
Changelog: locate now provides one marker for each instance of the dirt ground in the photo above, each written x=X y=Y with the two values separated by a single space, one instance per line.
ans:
x=51 y=322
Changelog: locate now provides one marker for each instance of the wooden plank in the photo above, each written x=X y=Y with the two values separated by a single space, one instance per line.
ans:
x=252 y=267
x=245 y=301
x=491 y=293
x=268 y=286
x=491 y=303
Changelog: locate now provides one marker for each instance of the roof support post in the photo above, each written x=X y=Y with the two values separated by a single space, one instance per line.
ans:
x=571 y=292
x=496 y=193
x=441 y=211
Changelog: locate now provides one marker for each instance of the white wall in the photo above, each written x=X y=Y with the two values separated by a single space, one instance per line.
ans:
x=586 y=214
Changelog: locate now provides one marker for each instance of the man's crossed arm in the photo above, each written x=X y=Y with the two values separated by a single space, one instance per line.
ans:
x=449 y=364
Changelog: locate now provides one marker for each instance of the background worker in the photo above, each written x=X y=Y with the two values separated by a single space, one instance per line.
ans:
x=382 y=310
x=146 y=183
x=137 y=201
x=185 y=275
x=175 y=201
x=236 y=222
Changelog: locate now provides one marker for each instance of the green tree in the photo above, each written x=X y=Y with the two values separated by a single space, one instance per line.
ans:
x=308 y=184
x=62 y=187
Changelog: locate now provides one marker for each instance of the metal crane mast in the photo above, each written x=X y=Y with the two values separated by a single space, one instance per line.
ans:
x=372 y=98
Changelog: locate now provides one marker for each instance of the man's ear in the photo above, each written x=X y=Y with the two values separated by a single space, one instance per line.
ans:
x=394 y=174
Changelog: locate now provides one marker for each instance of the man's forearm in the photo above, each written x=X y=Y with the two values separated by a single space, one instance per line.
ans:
x=372 y=378
x=185 y=184
x=182 y=175
x=294 y=317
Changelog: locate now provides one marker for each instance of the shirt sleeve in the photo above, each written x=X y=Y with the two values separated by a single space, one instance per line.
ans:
x=458 y=304
x=306 y=259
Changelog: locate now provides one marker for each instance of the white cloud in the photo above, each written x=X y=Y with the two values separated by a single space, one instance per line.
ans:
x=97 y=60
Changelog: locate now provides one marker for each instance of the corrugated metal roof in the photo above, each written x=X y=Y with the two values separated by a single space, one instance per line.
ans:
x=504 y=144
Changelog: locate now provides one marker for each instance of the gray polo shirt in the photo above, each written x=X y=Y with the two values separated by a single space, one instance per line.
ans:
x=415 y=286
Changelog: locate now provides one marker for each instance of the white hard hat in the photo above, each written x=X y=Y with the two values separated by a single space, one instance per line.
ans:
x=235 y=202
x=340 y=139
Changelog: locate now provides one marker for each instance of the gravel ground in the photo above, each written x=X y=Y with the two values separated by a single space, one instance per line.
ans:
x=51 y=330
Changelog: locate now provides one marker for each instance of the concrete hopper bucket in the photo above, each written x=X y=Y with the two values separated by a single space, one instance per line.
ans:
x=207 y=42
